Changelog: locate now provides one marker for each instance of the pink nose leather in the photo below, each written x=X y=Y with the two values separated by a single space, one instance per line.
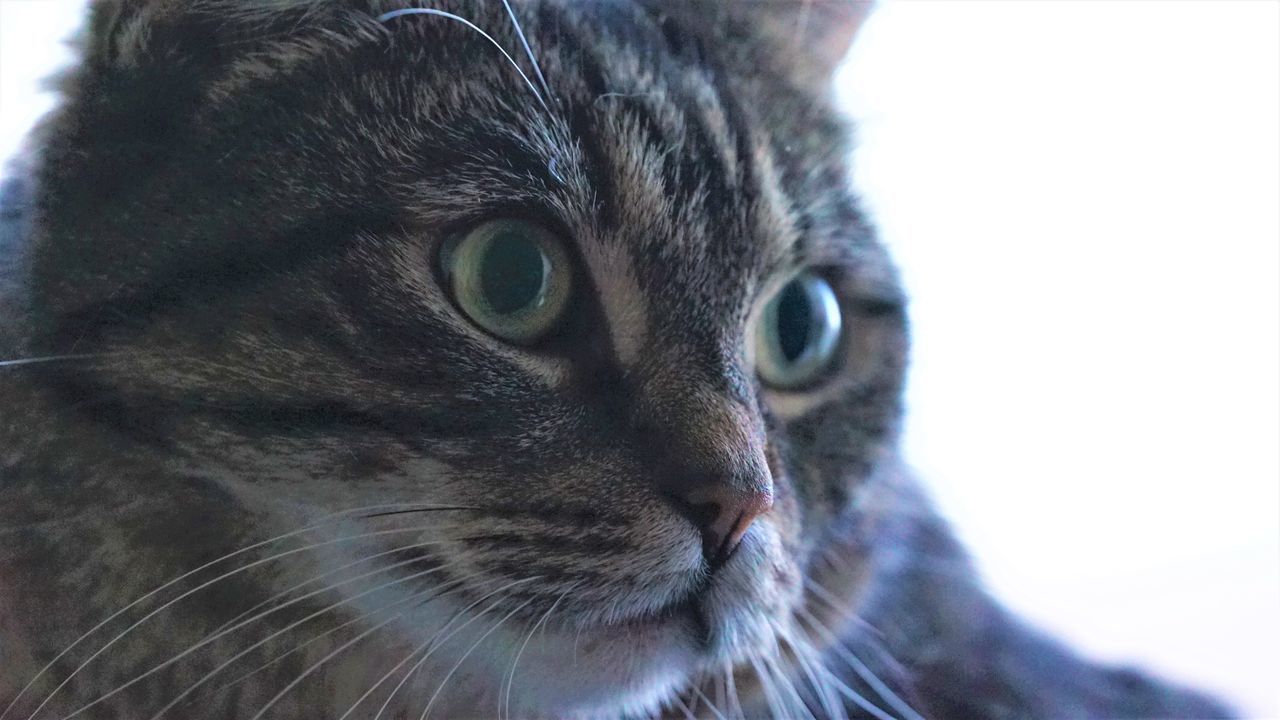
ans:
x=723 y=513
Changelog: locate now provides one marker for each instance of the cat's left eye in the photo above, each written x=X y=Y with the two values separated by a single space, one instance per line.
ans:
x=797 y=334
x=511 y=277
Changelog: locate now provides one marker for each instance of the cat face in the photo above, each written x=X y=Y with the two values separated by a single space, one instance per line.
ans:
x=602 y=349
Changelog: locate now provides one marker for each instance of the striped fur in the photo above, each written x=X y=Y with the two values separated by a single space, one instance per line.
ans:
x=231 y=228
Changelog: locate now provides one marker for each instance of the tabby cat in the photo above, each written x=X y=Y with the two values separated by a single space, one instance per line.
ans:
x=368 y=360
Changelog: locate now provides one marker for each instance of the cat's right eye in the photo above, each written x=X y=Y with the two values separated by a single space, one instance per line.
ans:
x=798 y=332
x=511 y=277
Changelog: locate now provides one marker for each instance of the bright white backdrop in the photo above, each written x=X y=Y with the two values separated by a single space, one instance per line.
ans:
x=1085 y=201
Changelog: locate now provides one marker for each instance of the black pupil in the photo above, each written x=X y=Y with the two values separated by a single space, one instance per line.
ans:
x=795 y=321
x=512 y=273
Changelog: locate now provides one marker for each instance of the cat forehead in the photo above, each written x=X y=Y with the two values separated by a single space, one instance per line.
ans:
x=637 y=124
x=682 y=184
x=653 y=162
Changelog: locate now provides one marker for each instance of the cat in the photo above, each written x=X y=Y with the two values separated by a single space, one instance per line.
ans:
x=370 y=360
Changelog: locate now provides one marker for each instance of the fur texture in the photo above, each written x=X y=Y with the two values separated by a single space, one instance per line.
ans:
x=248 y=375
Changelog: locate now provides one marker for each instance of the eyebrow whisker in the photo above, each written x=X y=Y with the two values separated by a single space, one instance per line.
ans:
x=383 y=18
x=524 y=41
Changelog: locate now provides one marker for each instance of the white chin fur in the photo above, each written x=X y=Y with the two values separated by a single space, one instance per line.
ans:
x=607 y=672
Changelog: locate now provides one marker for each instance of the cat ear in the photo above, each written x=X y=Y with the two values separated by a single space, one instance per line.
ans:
x=803 y=39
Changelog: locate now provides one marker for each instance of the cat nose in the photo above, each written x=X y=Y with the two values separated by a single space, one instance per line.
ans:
x=722 y=512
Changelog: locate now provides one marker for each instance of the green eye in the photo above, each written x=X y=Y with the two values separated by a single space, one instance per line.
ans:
x=509 y=276
x=797 y=335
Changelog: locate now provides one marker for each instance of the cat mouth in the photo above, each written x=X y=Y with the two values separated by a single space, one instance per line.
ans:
x=688 y=611
x=681 y=610
x=693 y=613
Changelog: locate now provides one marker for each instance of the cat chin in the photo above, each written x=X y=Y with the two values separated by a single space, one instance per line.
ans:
x=618 y=671
x=636 y=669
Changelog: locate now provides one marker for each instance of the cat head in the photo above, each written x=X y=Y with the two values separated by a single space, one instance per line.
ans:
x=596 y=332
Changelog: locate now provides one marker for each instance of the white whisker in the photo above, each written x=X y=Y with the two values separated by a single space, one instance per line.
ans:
x=806 y=657
x=836 y=646
x=321 y=576
x=694 y=700
x=430 y=701
x=855 y=696
x=511 y=676
x=18 y=362
x=287 y=628
x=688 y=714
x=834 y=603
x=731 y=692
x=458 y=18
x=436 y=645
x=859 y=667
x=797 y=704
x=453 y=585
x=508 y=678
x=524 y=41
x=710 y=705
x=213 y=637
x=327 y=518
x=337 y=651
x=296 y=648
x=771 y=696
x=378 y=684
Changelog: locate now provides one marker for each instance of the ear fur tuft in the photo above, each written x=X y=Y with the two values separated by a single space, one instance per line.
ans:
x=803 y=39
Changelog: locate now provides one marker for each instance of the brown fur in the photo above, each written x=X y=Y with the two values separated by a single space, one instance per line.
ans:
x=232 y=227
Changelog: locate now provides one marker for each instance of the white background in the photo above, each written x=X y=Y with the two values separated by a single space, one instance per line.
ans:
x=1084 y=198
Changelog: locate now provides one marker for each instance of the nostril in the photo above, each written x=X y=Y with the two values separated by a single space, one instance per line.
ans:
x=723 y=514
x=702 y=515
